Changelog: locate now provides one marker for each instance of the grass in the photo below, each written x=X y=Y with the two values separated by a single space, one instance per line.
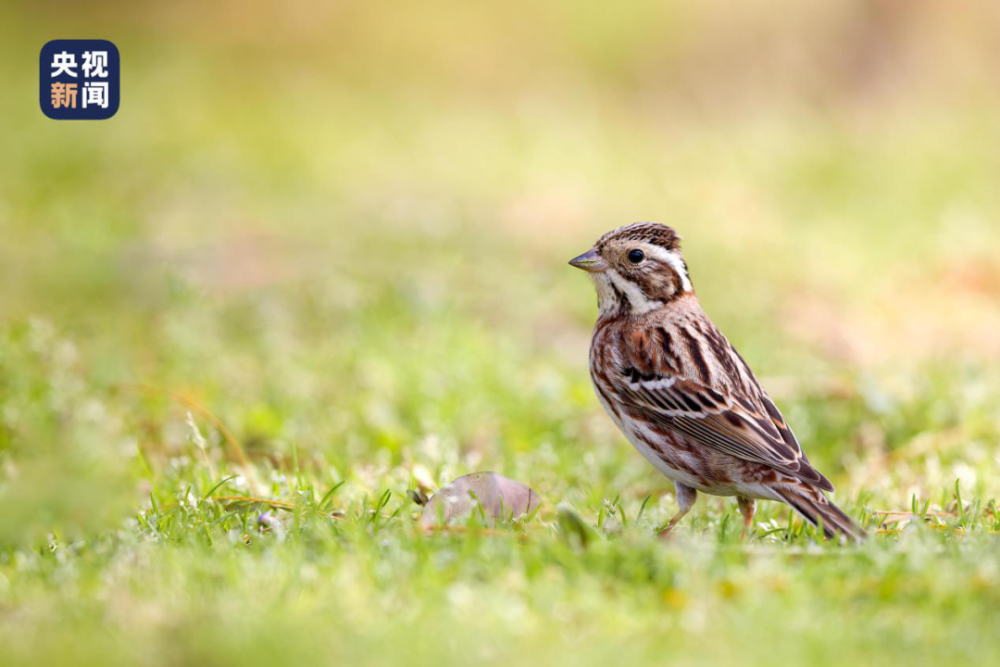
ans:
x=242 y=321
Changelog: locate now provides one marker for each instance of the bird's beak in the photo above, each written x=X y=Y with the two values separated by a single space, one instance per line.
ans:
x=589 y=261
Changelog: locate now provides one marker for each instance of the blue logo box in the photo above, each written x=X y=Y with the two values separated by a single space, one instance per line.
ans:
x=79 y=79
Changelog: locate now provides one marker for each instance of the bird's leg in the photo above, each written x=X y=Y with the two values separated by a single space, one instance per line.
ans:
x=747 y=508
x=685 y=498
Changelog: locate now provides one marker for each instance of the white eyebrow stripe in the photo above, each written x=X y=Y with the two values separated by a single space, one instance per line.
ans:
x=640 y=303
x=671 y=258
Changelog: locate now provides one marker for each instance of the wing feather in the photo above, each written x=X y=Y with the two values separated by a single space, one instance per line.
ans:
x=743 y=424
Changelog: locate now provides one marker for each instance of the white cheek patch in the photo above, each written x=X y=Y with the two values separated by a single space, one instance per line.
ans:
x=640 y=302
x=671 y=258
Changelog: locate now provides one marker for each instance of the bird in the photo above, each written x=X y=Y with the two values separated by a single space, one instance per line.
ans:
x=681 y=393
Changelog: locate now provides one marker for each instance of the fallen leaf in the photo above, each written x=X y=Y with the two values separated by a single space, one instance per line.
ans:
x=500 y=498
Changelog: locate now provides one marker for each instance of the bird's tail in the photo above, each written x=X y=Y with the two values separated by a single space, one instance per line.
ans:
x=814 y=506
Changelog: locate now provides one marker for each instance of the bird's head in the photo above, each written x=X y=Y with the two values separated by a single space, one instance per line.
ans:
x=636 y=269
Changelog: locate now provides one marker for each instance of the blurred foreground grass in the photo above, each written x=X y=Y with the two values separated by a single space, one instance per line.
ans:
x=339 y=238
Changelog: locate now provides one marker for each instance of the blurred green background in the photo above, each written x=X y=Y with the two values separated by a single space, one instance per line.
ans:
x=327 y=242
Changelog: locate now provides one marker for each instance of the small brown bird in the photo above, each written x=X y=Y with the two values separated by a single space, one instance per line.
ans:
x=682 y=394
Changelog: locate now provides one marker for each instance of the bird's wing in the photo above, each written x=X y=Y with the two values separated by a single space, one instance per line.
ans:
x=744 y=424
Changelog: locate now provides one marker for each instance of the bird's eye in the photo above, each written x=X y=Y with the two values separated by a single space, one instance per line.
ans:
x=636 y=256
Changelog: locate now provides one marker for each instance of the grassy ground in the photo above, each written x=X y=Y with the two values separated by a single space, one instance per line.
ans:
x=303 y=272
